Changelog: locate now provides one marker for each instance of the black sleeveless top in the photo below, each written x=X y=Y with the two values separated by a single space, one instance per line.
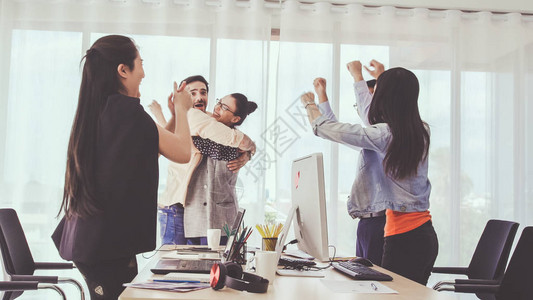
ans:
x=127 y=173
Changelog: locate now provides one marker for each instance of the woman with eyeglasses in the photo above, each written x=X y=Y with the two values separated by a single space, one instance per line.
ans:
x=211 y=200
x=215 y=136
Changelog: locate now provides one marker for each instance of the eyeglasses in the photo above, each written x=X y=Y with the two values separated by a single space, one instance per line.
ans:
x=224 y=106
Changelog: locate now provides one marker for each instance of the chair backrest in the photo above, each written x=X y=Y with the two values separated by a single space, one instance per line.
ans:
x=15 y=250
x=517 y=283
x=492 y=251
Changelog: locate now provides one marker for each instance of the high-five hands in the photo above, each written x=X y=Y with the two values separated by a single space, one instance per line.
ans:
x=181 y=98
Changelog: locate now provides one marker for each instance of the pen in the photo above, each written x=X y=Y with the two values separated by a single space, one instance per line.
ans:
x=374 y=287
x=248 y=235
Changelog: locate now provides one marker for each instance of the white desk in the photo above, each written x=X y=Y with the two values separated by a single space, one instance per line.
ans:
x=285 y=287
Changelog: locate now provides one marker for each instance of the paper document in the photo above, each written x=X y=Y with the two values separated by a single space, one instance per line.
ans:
x=169 y=286
x=184 y=276
x=357 y=286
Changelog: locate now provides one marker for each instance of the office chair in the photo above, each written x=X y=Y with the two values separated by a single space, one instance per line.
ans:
x=13 y=289
x=18 y=261
x=489 y=258
x=516 y=283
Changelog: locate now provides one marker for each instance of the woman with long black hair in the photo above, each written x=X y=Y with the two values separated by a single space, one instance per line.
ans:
x=393 y=165
x=111 y=179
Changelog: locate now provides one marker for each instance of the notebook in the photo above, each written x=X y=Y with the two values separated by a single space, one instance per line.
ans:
x=177 y=276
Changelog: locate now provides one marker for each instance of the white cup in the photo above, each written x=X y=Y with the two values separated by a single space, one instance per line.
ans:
x=213 y=238
x=266 y=264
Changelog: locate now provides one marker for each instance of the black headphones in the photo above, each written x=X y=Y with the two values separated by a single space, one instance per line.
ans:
x=231 y=275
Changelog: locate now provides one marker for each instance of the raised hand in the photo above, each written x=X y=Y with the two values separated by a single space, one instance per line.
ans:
x=156 y=110
x=182 y=97
x=355 y=69
x=307 y=98
x=155 y=107
x=377 y=68
x=320 y=89
x=170 y=104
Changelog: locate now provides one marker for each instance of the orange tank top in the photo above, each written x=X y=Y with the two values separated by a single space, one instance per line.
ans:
x=401 y=222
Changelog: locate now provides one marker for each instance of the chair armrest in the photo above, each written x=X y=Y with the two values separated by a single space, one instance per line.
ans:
x=450 y=270
x=53 y=265
x=18 y=285
x=476 y=288
x=477 y=281
x=40 y=279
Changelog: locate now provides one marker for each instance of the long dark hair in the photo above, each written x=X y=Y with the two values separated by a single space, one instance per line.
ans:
x=99 y=80
x=395 y=102
x=244 y=107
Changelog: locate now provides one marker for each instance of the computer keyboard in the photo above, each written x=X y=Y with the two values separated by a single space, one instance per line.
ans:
x=360 y=272
x=295 y=262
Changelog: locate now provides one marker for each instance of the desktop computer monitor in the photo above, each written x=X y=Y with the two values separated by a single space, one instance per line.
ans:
x=309 y=198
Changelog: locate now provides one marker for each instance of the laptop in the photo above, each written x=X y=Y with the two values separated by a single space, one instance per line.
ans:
x=165 y=266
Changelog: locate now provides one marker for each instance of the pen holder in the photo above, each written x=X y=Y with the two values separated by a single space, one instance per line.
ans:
x=269 y=244
x=239 y=255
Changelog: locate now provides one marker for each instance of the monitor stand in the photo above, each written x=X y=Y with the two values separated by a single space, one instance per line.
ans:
x=298 y=254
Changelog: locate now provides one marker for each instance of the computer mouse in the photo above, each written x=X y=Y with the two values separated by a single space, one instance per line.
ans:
x=363 y=261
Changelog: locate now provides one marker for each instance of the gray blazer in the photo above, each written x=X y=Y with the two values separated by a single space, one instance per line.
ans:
x=211 y=199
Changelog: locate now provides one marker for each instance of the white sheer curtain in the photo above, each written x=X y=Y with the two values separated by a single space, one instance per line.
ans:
x=475 y=72
x=42 y=43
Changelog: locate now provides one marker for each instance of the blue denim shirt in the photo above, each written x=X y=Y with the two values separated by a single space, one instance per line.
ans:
x=372 y=190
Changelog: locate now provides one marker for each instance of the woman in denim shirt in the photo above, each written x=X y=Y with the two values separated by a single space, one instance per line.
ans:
x=393 y=165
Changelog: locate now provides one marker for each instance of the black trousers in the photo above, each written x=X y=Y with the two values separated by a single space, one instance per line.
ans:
x=370 y=239
x=105 y=278
x=412 y=254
